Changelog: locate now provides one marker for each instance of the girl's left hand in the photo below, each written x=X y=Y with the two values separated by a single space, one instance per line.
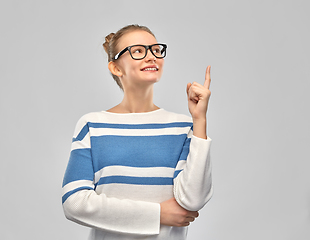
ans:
x=198 y=97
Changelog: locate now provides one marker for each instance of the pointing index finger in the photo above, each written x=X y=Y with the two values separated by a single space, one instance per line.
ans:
x=207 y=78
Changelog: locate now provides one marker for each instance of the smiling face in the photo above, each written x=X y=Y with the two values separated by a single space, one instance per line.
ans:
x=144 y=71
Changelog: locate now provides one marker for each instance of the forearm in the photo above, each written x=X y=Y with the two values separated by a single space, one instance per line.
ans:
x=193 y=185
x=98 y=211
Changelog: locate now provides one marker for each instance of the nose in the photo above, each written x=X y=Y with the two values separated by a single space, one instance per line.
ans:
x=149 y=56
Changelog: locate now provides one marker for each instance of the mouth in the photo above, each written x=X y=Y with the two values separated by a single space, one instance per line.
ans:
x=150 y=68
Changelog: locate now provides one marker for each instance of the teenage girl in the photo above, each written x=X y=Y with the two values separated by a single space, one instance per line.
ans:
x=137 y=171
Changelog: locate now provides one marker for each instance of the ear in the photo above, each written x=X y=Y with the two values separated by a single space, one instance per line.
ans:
x=114 y=69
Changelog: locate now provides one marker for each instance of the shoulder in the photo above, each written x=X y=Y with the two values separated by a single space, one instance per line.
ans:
x=176 y=117
x=91 y=117
x=87 y=119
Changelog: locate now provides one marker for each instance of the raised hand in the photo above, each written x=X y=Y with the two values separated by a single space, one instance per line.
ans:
x=198 y=98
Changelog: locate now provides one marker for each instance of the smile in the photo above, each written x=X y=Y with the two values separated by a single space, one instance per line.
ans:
x=149 y=69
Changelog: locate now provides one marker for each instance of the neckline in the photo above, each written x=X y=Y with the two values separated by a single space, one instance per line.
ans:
x=140 y=113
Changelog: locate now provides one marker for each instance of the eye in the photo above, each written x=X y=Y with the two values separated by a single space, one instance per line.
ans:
x=137 y=50
x=156 y=50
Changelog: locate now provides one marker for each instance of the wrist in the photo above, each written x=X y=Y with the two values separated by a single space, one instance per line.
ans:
x=200 y=128
x=201 y=119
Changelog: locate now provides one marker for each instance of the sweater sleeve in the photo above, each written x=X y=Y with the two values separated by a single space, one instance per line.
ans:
x=192 y=181
x=83 y=205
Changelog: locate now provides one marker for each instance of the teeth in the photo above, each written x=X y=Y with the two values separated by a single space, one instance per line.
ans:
x=150 y=69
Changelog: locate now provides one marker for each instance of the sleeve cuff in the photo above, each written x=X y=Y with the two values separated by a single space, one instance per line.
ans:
x=198 y=138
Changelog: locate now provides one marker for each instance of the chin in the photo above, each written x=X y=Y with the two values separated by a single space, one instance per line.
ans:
x=150 y=79
x=154 y=80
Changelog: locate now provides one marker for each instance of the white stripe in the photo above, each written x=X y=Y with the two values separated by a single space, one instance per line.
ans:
x=139 y=132
x=181 y=164
x=151 y=193
x=134 y=172
x=76 y=184
x=84 y=143
x=161 y=116
x=190 y=134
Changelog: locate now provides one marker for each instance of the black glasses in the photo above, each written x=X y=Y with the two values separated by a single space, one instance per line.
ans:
x=138 y=52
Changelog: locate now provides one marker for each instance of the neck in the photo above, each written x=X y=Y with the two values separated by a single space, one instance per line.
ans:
x=137 y=100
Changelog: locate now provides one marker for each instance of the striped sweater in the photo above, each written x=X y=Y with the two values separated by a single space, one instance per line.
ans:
x=122 y=166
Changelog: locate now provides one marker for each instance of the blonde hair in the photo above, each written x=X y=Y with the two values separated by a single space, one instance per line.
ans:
x=111 y=41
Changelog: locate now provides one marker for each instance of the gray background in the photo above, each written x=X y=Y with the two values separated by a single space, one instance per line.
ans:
x=53 y=70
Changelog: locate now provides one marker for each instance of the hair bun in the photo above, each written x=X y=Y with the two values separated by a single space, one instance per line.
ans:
x=107 y=40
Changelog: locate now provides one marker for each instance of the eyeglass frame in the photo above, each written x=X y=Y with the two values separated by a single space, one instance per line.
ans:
x=147 y=47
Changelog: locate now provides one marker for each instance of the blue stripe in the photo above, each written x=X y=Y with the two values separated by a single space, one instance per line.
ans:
x=137 y=151
x=79 y=167
x=176 y=173
x=81 y=134
x=185 y=149
x=136 y=180
x=68 y=194
x=141 y=126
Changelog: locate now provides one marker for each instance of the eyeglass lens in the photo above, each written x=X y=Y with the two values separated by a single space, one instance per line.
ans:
x=139 y=51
